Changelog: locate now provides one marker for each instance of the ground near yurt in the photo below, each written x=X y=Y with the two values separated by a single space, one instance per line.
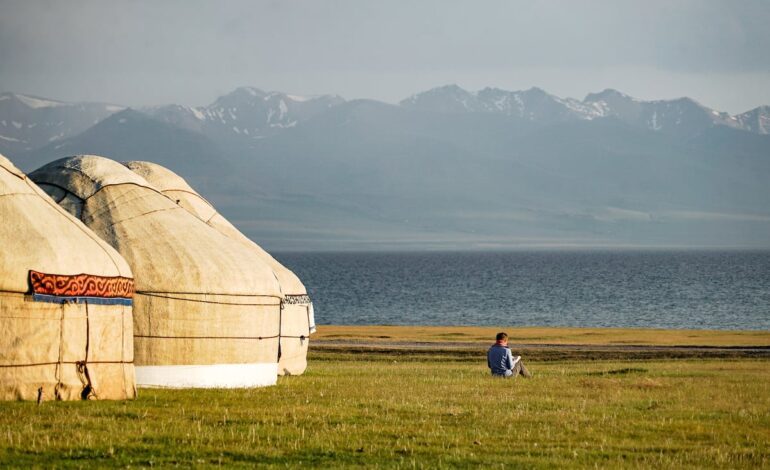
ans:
x=395 y=396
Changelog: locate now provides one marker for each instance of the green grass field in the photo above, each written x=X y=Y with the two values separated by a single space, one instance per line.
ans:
x=416 y=411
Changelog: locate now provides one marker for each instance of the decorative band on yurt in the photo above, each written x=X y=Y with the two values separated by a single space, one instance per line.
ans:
x=62 y=288
x=296 y=299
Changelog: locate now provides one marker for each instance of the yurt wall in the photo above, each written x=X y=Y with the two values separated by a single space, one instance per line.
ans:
x=297 y=316
x=206 y=310
x=65 y=302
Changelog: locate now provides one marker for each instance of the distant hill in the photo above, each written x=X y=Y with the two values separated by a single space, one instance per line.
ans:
x=449 y=168
x=131 y=135
x=30 y=122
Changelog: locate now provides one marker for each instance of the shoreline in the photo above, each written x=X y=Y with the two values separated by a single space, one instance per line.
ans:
x=537 y=343
x=543 y=335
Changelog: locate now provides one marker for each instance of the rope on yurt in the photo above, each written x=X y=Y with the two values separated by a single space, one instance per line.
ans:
x=206 y=337
x=57 y=372
x=192 y=193
x=211 y=293
x=88 y=391
x=19 y=175
x=145 y=213
x=123 y=343
x=214 y=302
x=17 y=194
x=38 y=364
x=280 y=327
x=4 y=291
x=131 y=183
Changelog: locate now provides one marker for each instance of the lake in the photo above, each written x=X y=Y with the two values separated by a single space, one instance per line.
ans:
x=648 y=289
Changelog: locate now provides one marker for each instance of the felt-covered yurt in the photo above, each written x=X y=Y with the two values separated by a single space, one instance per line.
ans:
x=297 y=316
x=206 y=310
x=65 y=302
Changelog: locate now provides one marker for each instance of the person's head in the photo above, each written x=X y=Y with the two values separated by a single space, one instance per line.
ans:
x=502 y=338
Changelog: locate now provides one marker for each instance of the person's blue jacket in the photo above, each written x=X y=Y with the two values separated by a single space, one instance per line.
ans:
x=500 y=359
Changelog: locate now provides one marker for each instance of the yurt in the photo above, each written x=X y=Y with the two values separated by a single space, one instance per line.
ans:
x=297 y=316
x=206 y=310
x=65 y=302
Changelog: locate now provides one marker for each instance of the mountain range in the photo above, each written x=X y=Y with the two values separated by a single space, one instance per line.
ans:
x=682 y=116
x=445 y=168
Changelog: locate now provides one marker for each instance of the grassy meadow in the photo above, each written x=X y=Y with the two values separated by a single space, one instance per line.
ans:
x=384 y=410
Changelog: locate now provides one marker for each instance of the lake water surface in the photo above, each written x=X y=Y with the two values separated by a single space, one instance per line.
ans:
x=656 y=289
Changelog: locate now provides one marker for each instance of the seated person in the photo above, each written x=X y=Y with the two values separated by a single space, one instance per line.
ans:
x=502 y=363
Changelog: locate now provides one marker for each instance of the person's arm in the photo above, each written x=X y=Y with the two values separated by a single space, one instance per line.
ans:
x=508 y=359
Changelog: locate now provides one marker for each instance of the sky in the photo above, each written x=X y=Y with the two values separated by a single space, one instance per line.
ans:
x=190 y=52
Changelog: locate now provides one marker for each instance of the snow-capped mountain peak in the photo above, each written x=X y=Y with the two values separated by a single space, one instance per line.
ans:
x=756 y=120
x=533 y=104
x=683 y=116
x=246 y=113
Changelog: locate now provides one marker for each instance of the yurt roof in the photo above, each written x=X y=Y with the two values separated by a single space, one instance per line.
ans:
x=87 y=174
x=169 y=249
x=160 y=176
x=37 y=234
x=177 y=189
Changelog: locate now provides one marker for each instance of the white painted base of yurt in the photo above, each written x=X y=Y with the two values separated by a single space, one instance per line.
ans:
x=208 y=376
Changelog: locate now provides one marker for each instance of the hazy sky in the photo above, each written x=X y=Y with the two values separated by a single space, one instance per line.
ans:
x=189 y=52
